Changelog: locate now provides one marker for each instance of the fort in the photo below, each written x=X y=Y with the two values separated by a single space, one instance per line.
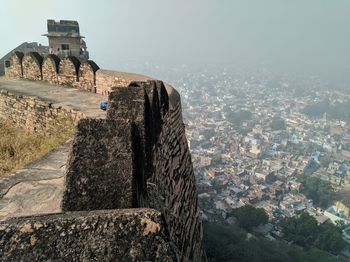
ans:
x=127 y=192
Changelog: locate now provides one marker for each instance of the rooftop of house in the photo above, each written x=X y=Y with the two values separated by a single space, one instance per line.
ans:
x=63 y=28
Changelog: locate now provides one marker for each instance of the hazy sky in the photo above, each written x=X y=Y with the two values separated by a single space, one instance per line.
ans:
x=306 y=35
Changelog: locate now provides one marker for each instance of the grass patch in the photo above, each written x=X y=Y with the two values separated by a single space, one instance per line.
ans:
x=19 y=147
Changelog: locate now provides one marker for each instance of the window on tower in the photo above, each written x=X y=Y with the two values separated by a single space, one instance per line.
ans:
x=65 y=47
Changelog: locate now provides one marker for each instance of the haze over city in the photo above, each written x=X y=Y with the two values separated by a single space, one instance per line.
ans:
x=230 y=119
x=309 y=37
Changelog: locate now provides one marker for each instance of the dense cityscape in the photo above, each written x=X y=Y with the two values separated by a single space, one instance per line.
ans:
x=280 y=143
x=215 y=131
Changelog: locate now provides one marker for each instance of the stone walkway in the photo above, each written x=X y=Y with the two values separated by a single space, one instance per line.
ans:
x=69 y=98
x=38 y=188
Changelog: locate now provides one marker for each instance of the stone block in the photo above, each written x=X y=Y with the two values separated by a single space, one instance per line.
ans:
x=163 y=97
x=13 y=66
x=153 y=94
x=68 y=73
x=103 y=170
x=31 y=65
x=115 y=235
x=87 y=76
x=50 y=68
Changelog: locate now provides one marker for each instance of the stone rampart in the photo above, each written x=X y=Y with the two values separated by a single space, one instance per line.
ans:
x=154 y=158
x=69 y=72
x=137 y=157
x=103 y=160
x=172 y=188
x=33 y=113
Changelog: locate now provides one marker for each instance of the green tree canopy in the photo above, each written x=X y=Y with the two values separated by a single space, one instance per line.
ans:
x=238 y=117
x=321 y=192
x=304 y=231
x=226 y=243
x=278 y=123
x=249 y=216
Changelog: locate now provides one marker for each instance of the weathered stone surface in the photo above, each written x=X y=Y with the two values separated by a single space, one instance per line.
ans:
x=103 y=171
x=50 y=68
x=116 y=235
x=31 y=65
x=131 y=104
x=69 y=71
x=13 y=66
x=37 y=188
x=32 y=113
x=107 y=80
x=72 y=101
x=87 y=76
x=163 y=97
x=24 y=48
x=138 y=157
x=153 y=95
x=172 y=188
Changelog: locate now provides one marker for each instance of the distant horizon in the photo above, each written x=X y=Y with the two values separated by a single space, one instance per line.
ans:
x=310 y=37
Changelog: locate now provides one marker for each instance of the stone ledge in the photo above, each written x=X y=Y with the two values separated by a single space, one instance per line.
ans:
x=114 y=235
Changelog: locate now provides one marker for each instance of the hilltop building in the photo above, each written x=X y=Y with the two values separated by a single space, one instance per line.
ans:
x=65 y=39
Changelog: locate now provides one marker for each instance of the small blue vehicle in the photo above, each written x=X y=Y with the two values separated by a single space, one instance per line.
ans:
x=104 y=105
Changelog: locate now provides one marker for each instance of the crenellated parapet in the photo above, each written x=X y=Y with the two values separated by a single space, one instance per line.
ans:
x=32 y=66
x=50 y=68
x=69 y=72
x=87 y=76
x=13 y=66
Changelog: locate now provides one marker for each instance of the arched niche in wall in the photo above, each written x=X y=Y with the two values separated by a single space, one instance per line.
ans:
x=50 y=68
x=31 y=65
x=68 y=73
x=87 y=76
x=13 y=66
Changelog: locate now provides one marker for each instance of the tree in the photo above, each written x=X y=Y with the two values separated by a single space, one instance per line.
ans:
x=301 y=230
x=225 y=243
x=278 y=123
x=330 y=239
x=321 y=192
x=249 y=216
x=325 y=161
x=216 y=159
x=238 y=117
x=217 y=185
x=221 y=241
x=304 y=231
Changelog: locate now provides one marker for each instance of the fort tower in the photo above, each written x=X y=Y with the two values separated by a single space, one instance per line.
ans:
x=65 y=39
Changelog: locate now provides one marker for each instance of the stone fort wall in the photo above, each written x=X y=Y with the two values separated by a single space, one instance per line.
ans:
x=35 y=114
x=135 y=158
x=69 y=72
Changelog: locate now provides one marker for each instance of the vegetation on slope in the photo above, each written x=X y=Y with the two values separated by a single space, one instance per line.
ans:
x=335 y=111
x=307 y=241
x=278 y=123
x=248 y=216
x=305 y=231
x=18 y=147
x=321 y=192
x=230 y=243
